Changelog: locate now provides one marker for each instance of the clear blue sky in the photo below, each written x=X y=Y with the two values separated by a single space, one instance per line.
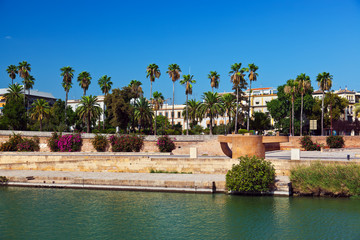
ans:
x=120 y=38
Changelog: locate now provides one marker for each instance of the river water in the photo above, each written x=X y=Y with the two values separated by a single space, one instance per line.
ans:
x=32 y=213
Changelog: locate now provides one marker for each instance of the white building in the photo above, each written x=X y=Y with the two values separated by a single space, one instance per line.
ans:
x=74 y=104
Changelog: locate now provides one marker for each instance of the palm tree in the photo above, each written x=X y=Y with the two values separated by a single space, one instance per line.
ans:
x=143 y=113
x=214 y=80
x=290 y=89
x=211 y=106
x=237 y=79
x=193 y=114
x=29 y=82
x=153 y=72
x=105 y=84
x=84 y=80
x=67 y=73
x=136 y=88
x=188 y=81
x=157 y=102
x=12 y=70
x=357 y=110
x=88 y=109
x=324 y=81
x=228 y=104
x=40 y=110
x=24 y=69
x=14 y=93
x=252 y=77
x=174 y=72
x=304 y=85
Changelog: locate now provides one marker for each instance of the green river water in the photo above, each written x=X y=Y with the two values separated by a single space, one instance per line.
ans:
x=32 y=213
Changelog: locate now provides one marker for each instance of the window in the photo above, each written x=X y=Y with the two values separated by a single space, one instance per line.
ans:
x=160 y=113
x=257 y=103
x=179 y=114
x=166 y=114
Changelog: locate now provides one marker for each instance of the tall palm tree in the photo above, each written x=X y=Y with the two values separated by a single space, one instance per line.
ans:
x=24 y=69
x=325 y=82
x=84 y=80
x=304 y=85
x=290 y=89
x=14 y=93
x=237 y=79
x=105 y=84
x=136 y=88
x=187 y=81
x=29 y=82
x=193 y=113
x=153 y=72
x=211 y=106
x=174 y=72
x=40 y=110
x=143 y=113
x=214 y=80
x=252 y=77
x=157 y=103
x=228 y=104
x=12 y=70
x=67 y=73
x=88 y=109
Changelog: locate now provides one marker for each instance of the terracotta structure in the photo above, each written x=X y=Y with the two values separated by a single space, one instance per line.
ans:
x=247 y=145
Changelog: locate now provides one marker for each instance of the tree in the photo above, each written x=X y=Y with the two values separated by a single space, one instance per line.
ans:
x=88 y=109
x=291 y=90
x=105 y=84
x=211 y=106
x=14 y=93
x=193 y=114
x=238 y=81
x=357 y=110
x=174 y=72
x=303 y=85
x=135 y=86
x=67 y=73
x=14 y=116
x=40 y=110
x=228 y=104
x=143 y=113
x=56 y=120
x=24 y=70
x=12 y=70
x=324 y=81
x=29 y=82
x=214 y=80
x=153 y=72
x=260 y=122
x=252 y=77
x=84 y=80
x=187 y=81
x=157 y=103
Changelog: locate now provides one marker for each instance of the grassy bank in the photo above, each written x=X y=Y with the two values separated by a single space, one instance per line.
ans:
x=326 y=180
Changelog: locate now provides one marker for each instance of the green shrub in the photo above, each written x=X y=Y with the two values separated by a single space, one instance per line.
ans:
x=309 y=145
x=3 y=180
x=53 y=142
x=100 y=143
x=242 y=131
x=335 y=141
x=17 y=143
x=165 y=144
x=126 y=143
x=252 y=174
x=111 y=131
x=332 y=179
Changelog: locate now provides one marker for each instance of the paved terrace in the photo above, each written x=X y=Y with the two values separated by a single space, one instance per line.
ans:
x=328 y=155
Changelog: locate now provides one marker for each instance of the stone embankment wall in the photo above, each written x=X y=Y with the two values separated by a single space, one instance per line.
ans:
x=294 y=142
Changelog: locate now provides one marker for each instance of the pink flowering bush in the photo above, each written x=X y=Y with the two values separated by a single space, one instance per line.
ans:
x=335 y=141
x=309 y=145
x=126 y=143
x=65 y=143
x=165 y=144
x=17 y=143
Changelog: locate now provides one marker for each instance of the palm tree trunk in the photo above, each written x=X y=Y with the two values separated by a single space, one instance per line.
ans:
x=155 y=122
x=210 y=123
x=104 y=113
x=248 y=118
x=237 y=108
x=292 y=117
x=88 y=124
x=66 y=99
x=84 y=92
x=172 y=113
x=40 y=125
x=225 y=122
x=27 y=109
x=322 y=115
x=301 y=114
x=187 y=116
x=150 y=90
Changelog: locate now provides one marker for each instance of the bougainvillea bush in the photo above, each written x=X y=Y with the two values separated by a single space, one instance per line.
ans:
x=17 y=143
x=100 y=143
x=335 y=141
x=165 y=144
x=126 y=143
x=309 y=145
x=65 y=143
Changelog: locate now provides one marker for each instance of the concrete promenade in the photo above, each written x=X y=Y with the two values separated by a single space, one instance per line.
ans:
x=326 y=155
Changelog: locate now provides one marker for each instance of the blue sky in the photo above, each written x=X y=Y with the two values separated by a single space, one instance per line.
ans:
x=120 y=38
